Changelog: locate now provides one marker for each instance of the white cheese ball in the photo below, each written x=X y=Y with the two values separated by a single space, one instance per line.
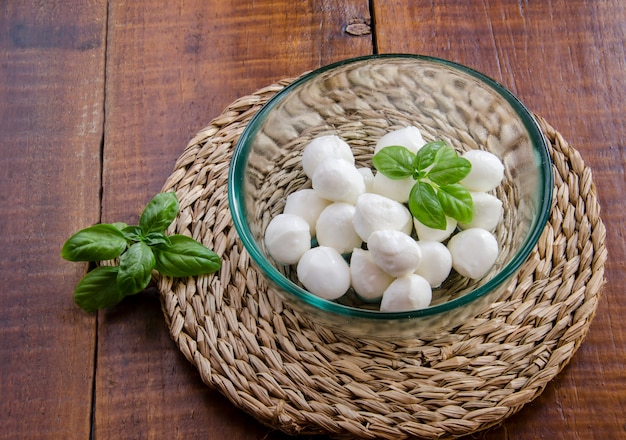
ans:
x=324 y=147
x=307 y=204
x=368 y=280
x=378 y=213
x=287 y=238
x=486 y=173
x=487 y=212
x=408 y=137
x=398 y=190
x=473 y=252
x=430 y=234
x=407 y=293
x=394 y=252
x=323 y=272
x=335 y=228
x=338 y=180
x=368 y=178
x=436 y=262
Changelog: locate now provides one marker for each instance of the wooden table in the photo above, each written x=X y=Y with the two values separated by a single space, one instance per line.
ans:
x=97 y=100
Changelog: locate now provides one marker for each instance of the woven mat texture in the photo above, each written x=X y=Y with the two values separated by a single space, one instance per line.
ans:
x=300 y=378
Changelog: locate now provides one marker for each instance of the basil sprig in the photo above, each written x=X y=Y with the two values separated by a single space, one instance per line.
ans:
x=437 y=170
x=140 y=250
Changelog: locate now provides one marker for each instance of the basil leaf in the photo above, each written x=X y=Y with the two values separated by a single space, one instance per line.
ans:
x=425 y=206
x=425 y=156
x=133 y=233
x=98 y=289
x=448 y=168
x=155 y=238
x=185 y=257
x=457 y=202
x=136 y=266
x=159 y=213
x=96 y=243
x=119 y=225
x=394 y=162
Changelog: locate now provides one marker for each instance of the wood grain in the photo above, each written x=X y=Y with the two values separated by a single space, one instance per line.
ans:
x=49 y=188
x=168 y=75
x=566 y=62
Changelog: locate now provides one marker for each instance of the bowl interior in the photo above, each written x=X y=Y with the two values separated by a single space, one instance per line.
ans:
x=362 y=99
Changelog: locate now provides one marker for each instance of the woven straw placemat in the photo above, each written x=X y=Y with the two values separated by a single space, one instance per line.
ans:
x=298 y=377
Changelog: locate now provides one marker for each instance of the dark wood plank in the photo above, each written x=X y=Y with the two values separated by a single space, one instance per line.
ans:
x=168 y=75
x=565 y=60
x=51 y=123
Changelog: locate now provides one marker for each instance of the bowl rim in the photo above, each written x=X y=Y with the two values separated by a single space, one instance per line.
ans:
x=238 y=210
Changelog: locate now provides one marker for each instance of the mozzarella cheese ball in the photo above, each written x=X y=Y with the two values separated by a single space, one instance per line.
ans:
x=436 y=262
x=473 y=252
x=368 y=178
x=407 y=293
x=430 y=234
x=322 y=148
x=306 y=204
x=323 y=272
x=368 y=280
x=398 y=190
x=377 y=213
x=335 y=228
x=287 y=238
x=487 y=212
x=408 y=137
x=338 y=180
x=486 y=173
x=394 y=252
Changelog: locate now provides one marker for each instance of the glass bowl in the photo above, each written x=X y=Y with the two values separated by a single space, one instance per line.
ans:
x=360 y=100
